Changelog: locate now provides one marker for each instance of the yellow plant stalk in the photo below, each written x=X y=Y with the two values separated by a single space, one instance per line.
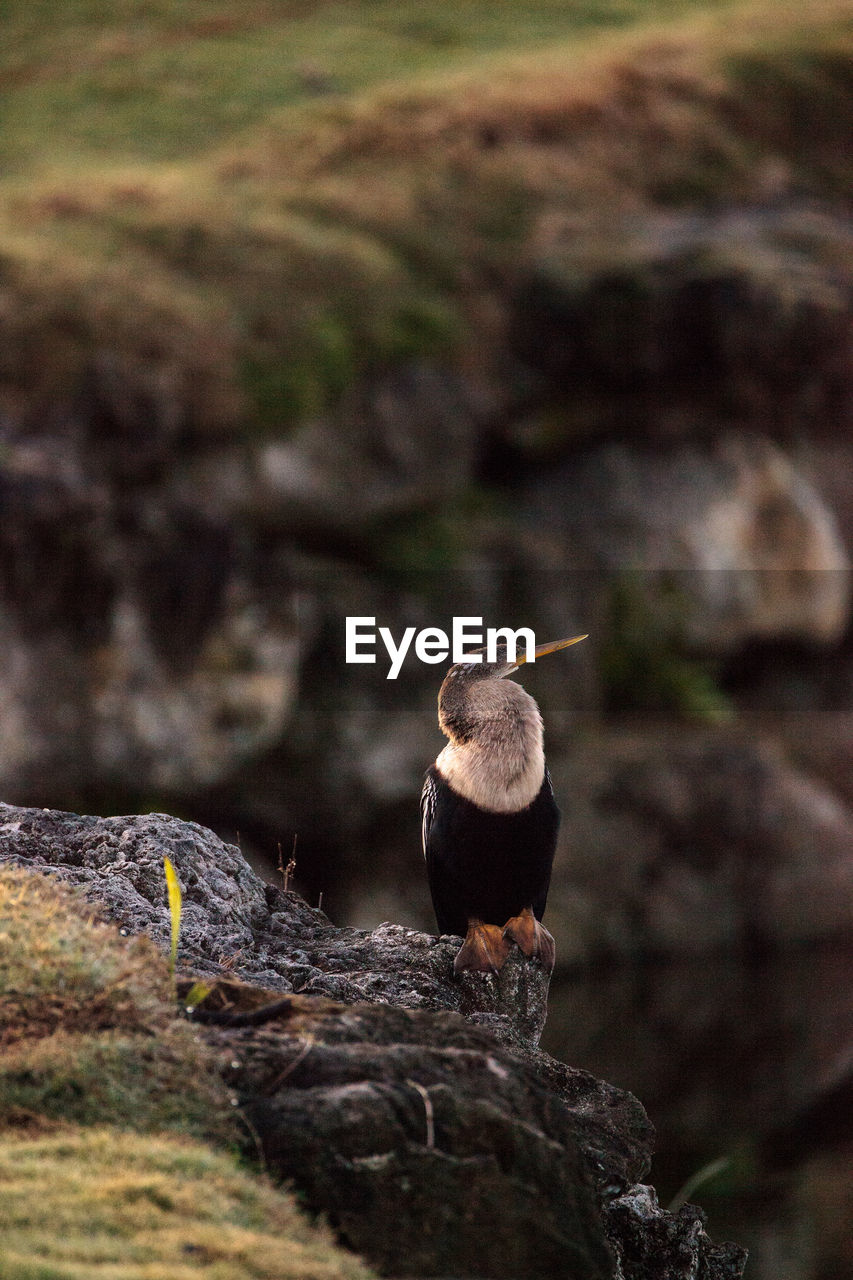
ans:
x=174 y=890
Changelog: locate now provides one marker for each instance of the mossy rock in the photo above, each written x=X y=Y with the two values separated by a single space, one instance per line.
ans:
x=89 y=1030
x=677 y=322
x=90 y=1036
x=146 y=1083
x=61 y=967
x=102 y=1205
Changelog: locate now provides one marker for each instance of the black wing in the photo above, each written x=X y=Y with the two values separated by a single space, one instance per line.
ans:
x=485 y=864
x=429 y=796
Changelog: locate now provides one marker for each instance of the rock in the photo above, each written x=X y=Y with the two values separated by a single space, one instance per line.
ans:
x=366 y=1087
x=404 y=441
x=140 y=650
x=707 y=841
x=821 y=745
x=826 y=464
x=733 y=530
x=180 y=720
x=680 y=323
x=171 y=625
x=654 y=1244
x=367 y=1106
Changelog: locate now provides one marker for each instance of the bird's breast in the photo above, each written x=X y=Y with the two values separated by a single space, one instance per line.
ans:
x=494 y=782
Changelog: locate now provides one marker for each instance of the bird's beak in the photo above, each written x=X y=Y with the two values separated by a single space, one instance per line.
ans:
x=542 y=649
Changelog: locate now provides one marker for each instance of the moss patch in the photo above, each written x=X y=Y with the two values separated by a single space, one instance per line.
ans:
x=88 y=1026
x=61 y=968
x=102 y=1205
x=643 y=662
x=89 y=1036
x=148 y=1083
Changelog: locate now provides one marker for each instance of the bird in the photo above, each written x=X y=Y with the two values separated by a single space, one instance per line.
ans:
x=489 y=820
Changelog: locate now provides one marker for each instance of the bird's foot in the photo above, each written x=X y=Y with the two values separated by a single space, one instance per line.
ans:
x=484 y=950
x=532 y=938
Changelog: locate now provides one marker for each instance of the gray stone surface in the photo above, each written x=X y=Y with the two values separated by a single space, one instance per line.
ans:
x=434 y=1145
x=732 y=530
x=722 y=845
x=432 y=1149
x=652 y=1244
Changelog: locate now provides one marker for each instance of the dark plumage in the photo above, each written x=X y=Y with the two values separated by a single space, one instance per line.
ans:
x=489 y=866
x=490 y=820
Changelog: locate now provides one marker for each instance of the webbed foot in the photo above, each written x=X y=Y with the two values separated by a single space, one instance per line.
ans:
x=484 y=950
x=532 y=938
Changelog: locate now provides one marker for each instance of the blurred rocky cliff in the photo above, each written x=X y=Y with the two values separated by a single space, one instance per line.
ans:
x=640 y=429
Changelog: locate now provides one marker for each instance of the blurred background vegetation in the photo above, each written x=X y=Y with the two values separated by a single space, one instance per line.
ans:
x=538 y=312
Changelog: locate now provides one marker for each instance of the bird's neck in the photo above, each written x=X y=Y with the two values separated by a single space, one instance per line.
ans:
x=495 y=757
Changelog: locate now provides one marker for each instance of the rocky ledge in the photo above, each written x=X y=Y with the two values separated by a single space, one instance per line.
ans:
x=415 y=1112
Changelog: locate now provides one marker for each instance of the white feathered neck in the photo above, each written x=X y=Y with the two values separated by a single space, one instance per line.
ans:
x=495 y=757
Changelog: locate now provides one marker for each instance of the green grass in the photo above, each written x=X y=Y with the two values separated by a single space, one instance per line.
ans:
x=267 y=203
x=117 y=1135
x=100 y=1205
x=88 y=1025
x=162 y=81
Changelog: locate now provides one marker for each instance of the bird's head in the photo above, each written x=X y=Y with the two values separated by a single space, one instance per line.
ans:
x=460 y=702
x=470 y=669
